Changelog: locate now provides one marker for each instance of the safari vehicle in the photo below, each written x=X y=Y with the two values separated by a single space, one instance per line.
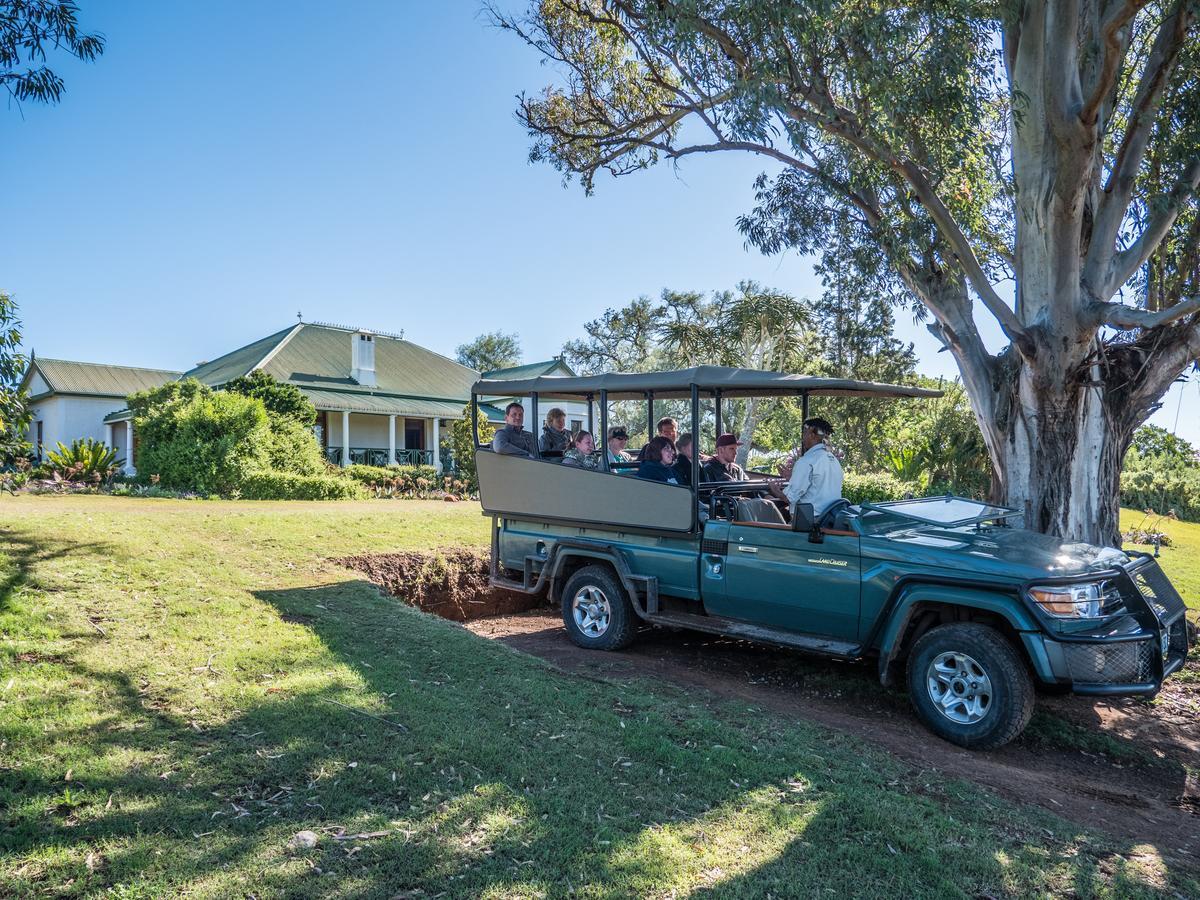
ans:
x=940 y=591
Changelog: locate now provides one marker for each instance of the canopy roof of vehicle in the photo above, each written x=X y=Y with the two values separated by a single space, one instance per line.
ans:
x=678 y=383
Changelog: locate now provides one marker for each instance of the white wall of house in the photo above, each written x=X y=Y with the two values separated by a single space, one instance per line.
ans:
x=66 y=418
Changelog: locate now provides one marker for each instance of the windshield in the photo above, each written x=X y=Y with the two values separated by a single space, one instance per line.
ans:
x=948 y=512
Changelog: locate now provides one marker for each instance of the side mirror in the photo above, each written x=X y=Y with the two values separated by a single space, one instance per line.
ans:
x=805 y=519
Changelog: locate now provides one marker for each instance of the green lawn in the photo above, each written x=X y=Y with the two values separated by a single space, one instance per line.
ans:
x=1181 y=559
x=182 y=691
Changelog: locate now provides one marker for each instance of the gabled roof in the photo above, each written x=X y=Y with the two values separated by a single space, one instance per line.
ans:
x=316 y=358
x=554 y=366
x=93 y=379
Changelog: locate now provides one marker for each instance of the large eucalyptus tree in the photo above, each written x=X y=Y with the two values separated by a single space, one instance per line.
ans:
x=1053 y=145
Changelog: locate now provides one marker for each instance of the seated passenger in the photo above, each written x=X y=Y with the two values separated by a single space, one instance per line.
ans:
x=721 y=466
x=555 y=436
x=513 y=439
x=657 y=458
x=683 y=459
x=582 y=452
x=618 y=437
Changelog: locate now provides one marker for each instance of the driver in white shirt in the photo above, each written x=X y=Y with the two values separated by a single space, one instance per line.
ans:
x=816 y=475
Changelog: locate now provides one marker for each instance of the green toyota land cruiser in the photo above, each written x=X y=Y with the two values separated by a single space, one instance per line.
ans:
x=940 y=591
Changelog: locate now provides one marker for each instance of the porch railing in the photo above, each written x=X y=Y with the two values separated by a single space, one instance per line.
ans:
x=378 y=456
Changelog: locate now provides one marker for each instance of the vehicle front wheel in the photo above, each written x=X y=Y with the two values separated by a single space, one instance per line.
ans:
x=597 y=611
x=969 y=686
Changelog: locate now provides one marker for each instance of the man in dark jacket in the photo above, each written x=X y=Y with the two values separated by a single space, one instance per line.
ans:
x=721 y=467
x=513 y=439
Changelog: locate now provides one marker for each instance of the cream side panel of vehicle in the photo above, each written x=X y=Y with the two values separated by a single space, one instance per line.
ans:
x=541 y=489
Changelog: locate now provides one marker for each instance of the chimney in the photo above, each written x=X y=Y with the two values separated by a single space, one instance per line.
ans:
x=362 y=358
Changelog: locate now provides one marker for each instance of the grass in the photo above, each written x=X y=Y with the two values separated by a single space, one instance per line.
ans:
x=186 y=685
x=1181 y=559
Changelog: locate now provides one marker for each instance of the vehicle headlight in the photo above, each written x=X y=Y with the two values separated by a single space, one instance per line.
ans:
x=1088 y=600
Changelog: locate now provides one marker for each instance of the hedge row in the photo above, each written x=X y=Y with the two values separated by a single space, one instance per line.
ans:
x=1163 y=490
x=285 y=486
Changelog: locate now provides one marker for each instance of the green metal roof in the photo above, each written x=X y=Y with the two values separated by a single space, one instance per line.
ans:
x=530 y=370
x=239 y=362
x=68 y=377
x=316 y=358
x=119 y=416
x=384 y=404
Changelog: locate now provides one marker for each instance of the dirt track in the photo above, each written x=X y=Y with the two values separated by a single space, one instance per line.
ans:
x=1153 y=800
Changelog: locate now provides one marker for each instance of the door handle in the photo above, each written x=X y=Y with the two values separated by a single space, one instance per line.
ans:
x=748 y=549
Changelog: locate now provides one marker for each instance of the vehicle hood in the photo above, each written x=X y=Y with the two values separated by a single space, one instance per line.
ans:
x=1012 y=552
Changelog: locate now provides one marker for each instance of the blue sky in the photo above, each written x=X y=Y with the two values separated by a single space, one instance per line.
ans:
x=227 y=164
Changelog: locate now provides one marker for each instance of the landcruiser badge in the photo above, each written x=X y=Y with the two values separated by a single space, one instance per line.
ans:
x=826 y=561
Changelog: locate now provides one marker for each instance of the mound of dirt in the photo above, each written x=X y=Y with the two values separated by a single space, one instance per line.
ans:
x=452 y=584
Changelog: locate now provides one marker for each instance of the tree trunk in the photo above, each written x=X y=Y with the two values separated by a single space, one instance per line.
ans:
x=1060 y=461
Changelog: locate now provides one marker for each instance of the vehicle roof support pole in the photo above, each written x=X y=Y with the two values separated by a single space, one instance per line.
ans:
x=717 y=408
x=649 y=416
x=804 y=407
x=533 y=417
x=603 y=442
x=592 y=417
x=695 y=449
x=475 y=418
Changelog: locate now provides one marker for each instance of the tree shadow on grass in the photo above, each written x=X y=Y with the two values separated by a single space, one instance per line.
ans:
x=506 y=776
x=22 y=551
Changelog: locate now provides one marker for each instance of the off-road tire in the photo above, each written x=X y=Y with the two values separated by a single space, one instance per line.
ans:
x=622 y=621
x=1012 y=692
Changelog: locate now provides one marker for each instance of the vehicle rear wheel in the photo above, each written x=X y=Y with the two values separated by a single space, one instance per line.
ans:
x=597 y=611
x=969 y=686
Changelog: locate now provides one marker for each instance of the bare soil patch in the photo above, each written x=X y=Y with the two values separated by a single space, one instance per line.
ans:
x=1148 y=795
x=452 y=584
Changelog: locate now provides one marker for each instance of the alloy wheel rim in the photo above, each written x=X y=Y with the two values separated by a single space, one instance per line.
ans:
x=959 y=688
x=591 y=611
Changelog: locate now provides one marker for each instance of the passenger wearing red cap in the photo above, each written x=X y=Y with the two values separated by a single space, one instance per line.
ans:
x=721 y=465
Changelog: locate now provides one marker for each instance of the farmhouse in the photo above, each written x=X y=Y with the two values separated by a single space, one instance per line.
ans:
x=380 y=399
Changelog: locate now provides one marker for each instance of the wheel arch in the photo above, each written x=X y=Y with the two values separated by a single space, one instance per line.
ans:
x=568 y=560
x=917 y=607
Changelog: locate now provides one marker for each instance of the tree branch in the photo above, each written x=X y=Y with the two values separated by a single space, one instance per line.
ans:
x=1128 y=261
x=1118 y=315
x=1114 y=37
x=1118 y=191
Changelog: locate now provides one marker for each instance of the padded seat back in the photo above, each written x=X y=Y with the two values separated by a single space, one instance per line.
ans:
x=755 y=509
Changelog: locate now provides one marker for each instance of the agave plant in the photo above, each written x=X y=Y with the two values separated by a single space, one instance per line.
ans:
x=84 y=461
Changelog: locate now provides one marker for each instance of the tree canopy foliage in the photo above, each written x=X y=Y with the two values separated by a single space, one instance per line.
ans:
x=14 y=405
x=30 y=28
x=280 y=399
x=491 y=351
x=944 y=150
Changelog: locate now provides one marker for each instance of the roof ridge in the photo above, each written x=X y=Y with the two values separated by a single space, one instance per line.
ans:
x=270 y=354
x=209 y=362
x=79 y=362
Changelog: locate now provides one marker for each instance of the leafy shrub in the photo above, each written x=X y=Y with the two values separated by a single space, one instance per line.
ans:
x=280 y=399
x=421 y=482
x=873 y=487
x=86 y=460
x=196 y=440
x=293 y=448
x=286 y=486
x=1163 y=490
x=462 y=446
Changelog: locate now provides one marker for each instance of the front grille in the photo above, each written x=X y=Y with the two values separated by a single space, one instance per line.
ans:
x=1127 y=662
x=1158 y=590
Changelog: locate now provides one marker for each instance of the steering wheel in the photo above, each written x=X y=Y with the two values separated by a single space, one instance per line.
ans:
x=835 y=507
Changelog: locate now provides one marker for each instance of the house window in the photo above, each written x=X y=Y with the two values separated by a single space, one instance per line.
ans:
x=576 y=426
x=40 y=438
x=414 y=434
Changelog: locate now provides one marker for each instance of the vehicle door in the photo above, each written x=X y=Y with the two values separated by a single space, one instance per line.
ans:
x=779 y=578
